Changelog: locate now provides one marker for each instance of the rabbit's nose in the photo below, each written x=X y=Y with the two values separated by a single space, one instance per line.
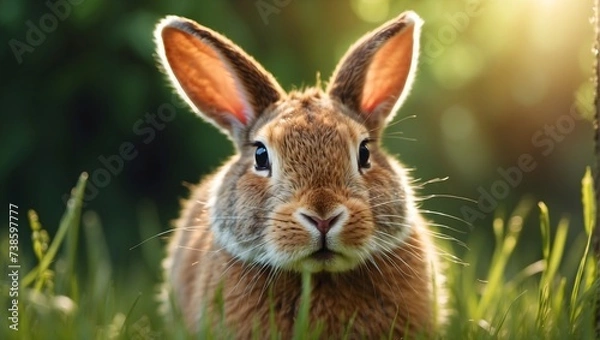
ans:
x=322 y=225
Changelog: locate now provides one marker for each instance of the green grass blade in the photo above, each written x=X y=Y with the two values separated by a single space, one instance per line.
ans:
x=502 y=319
x=545 y=229
x=589 y=204
x=506 y=242
x=559 y=296
x=589 y=215
x=127 y=321
x=550 y=296
x=498 y=267
x=67 y=221
x=72 y=240
x=272 y=322
x=98 y=257
x=302 y=323
x=543 y=309
x=558 y=247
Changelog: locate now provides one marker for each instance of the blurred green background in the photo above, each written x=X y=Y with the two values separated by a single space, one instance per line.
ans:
x=497 y=80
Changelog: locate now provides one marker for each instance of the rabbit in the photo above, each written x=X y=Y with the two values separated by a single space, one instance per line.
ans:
x=309 y=190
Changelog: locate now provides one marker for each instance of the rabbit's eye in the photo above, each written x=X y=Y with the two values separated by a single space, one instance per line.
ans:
x=363 y=155
x=261 y=157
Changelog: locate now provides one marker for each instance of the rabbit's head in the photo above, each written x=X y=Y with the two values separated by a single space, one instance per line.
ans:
x=310 y=188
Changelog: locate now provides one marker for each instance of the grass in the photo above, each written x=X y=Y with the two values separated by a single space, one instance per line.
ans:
x=60 y=297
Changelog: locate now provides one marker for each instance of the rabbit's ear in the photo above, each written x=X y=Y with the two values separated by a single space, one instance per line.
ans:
x=376 y=74
x=217 y=79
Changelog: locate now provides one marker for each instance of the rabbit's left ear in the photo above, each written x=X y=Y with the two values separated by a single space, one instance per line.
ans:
x=218 y=79
x=376 y=74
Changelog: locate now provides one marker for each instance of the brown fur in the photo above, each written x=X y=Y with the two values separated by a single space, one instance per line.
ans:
x=246 y=235
x=377 y=296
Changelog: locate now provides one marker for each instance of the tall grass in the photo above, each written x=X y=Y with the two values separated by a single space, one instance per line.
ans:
x=58 y=301
x=538 y=302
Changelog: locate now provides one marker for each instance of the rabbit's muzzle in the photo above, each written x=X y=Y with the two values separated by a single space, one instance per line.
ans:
x=320 y=231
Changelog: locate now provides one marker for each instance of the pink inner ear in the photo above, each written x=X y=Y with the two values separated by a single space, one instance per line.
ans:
x=388 y=73
x=204 y=77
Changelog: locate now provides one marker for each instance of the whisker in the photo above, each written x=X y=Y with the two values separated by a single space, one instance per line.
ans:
x=408 y=139
x=431 y=181
x=446 y=227
x=462 y=198
x=401 y=120
x=153 y=237
x=432 y=212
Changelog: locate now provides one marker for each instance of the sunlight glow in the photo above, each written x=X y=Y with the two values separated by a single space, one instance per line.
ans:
x=548 y=2
x=371 y=10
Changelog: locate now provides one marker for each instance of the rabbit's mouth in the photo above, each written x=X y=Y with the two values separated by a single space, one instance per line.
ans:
x=326 y=259
x=324 y=254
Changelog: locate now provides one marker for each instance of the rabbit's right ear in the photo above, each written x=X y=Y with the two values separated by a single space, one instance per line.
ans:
x=216 y=78
x=376 y=74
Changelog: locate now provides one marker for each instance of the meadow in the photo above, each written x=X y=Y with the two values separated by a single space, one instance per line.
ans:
x=56 y=299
